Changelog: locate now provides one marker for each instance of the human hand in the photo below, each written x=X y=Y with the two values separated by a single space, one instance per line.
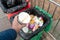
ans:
x=16 y=26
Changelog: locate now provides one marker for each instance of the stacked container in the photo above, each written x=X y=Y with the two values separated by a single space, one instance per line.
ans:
x=13 y=10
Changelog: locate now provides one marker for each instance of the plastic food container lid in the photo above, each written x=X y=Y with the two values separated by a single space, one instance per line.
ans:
x=25 y=29
x=24 y=17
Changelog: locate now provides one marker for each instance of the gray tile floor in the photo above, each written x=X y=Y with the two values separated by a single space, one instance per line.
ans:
x=4 y=23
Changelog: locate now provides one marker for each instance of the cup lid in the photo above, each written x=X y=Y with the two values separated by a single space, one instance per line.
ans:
x=24 y=17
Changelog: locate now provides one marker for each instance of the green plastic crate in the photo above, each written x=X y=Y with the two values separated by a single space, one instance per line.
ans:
x=46 y=29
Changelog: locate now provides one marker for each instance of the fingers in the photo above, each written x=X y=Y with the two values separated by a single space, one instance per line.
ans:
x=15 y=22
x=15 y=18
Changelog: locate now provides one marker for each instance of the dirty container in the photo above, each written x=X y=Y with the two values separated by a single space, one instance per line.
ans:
x=36 y=35
x=9 y=9
x=12 y=10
